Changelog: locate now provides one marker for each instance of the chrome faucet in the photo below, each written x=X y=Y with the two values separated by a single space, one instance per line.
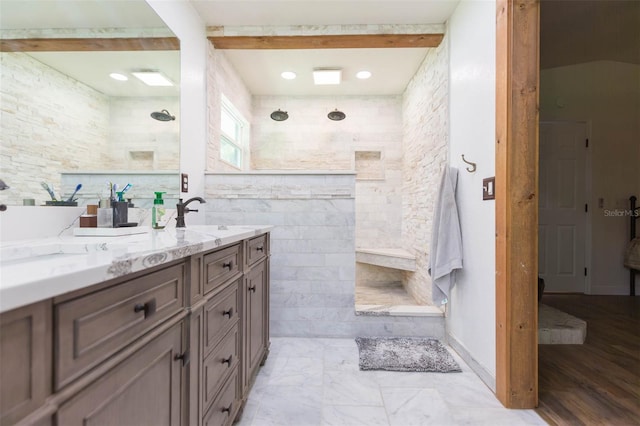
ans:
x=182 y=210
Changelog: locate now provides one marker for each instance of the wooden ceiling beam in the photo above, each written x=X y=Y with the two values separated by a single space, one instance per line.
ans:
x=88 y=44
x=345 y=41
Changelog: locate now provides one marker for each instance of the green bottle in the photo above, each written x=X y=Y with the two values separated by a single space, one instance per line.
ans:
x=158 y=211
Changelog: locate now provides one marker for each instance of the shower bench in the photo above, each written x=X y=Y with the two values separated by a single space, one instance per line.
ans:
x=387 y=257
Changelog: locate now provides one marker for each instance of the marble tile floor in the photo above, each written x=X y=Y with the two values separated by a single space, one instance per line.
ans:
x=316 y=382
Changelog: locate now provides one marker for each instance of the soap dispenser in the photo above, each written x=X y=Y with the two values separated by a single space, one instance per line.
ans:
x=158 y=211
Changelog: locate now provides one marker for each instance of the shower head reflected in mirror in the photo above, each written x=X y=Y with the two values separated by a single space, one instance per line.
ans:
x=163 y=115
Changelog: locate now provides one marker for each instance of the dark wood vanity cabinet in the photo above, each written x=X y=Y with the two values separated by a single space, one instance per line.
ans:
x=144 y=389
x=25 y=361
x=256 y=319
x=177 y=344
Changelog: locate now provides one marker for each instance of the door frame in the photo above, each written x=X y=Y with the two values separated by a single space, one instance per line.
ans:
x=517 y=121
x=587 y=193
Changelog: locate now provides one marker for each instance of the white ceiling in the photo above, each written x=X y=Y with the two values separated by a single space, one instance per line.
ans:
x=260 y=70
x=330 y=12
x=391 y=68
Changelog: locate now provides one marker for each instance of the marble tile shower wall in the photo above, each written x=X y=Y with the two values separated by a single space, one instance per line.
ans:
x=313 y=250
x=426 y=138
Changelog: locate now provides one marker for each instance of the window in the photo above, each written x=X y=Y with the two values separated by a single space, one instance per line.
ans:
x=233 y=135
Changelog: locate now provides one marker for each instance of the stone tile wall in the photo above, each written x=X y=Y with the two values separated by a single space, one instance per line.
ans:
x=137 y=141
x=53 y=124
x=312 y=244
x=308 y=140
x=425 y=140
x=312 y=251
x=49 y=122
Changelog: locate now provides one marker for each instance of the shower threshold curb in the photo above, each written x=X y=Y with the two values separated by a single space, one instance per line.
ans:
x=399 y=310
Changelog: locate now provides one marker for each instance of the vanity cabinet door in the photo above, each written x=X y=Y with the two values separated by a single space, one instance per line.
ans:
x=256 y=335
x=145 y=389
x=25 y=360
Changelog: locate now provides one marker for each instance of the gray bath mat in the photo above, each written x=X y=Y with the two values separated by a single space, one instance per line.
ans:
x=405 y=354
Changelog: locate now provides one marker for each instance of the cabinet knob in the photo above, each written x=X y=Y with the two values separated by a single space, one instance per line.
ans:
x=228 y=360
x=227 y=409
x=261 y=248
x=252 y=289
x=228 y=265
x=148 y=308
x=228 y=313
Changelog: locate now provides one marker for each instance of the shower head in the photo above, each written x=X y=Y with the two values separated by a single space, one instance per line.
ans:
x=163 y=115
x=336 y=115
x=279 y=115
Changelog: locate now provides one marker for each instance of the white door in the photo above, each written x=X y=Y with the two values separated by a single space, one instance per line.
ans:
x=562 y=206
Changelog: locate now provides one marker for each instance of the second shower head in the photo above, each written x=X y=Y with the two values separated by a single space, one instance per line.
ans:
x=163 y=115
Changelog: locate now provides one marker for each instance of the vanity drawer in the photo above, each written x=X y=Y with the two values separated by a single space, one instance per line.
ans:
x=220 y=314
x=225 y=407
x=220 y=364
x=256 y=249
x=220 y=266
x=90 y=328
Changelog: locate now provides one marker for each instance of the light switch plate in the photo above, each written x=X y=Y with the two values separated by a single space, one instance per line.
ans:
x=184 y=182
x=489 y=188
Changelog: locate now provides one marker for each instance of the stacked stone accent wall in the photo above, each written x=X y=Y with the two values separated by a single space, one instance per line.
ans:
x=50 y=123
x=425 y=140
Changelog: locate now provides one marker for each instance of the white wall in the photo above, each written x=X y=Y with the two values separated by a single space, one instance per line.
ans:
x=186 y=24
x=471 y=311
x=606 y=95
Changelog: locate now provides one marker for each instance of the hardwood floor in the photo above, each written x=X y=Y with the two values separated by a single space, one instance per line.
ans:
x=597 y=383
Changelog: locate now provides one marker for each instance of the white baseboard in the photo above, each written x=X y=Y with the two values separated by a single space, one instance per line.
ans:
x=488 y=378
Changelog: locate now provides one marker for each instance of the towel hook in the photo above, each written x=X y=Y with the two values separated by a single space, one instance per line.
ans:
x=473 y=165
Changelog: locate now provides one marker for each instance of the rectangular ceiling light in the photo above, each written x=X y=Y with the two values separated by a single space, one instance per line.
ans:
x=152 y=78
x=327 y=76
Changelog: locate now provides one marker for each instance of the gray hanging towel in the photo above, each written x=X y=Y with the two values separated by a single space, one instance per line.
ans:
x=446 y=239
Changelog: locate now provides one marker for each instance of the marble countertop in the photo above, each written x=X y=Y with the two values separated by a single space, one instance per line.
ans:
x=35 y=270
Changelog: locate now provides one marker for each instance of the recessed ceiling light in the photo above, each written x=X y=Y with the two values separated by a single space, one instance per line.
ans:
x=118 y=76
x=327 y=76
x=288 y=75
x=363 y=75
x=152 y=78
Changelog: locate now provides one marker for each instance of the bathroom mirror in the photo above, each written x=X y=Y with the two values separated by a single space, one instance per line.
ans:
x=65 y=121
